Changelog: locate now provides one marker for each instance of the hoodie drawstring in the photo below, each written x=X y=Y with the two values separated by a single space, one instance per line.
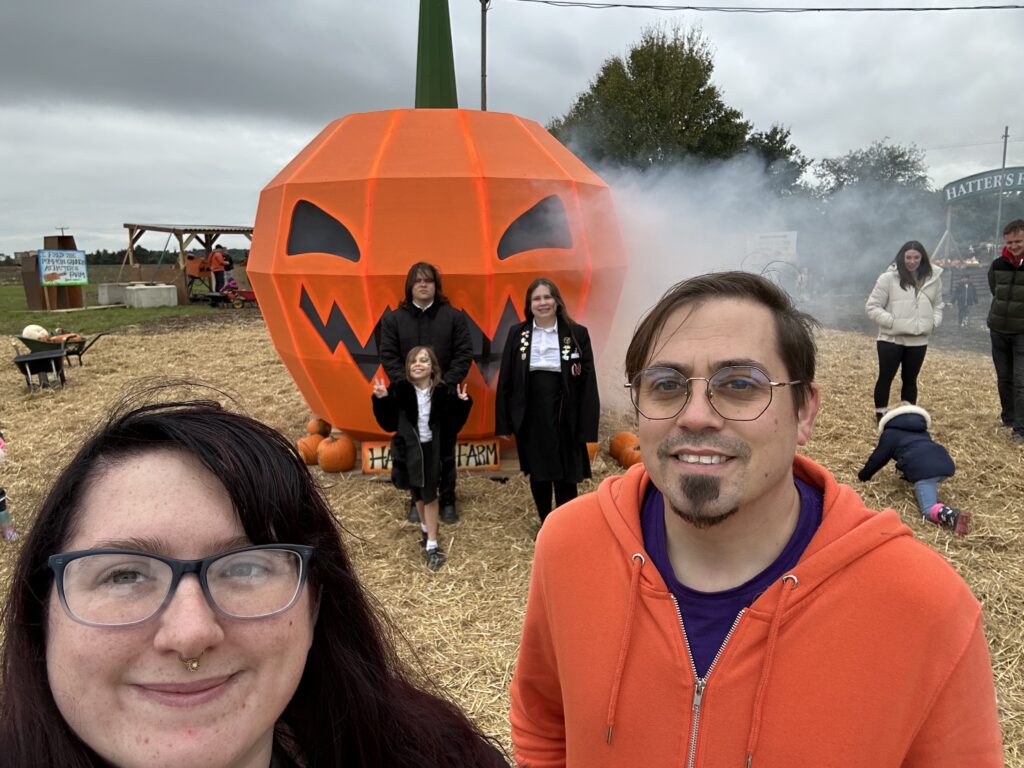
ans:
x=766 y=665
x=636 y=563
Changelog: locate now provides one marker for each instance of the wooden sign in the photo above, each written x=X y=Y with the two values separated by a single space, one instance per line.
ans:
x=469 y=454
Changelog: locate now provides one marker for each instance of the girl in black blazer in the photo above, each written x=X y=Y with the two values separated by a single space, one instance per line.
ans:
x=547 y=396
x=426 y=415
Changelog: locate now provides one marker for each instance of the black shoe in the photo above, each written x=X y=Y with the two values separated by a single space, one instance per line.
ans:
x=414 y=515
x=449 y=515
x=435 y=559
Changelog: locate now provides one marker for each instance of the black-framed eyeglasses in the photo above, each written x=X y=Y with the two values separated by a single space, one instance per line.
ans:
x=737 y=393
x=123 y=587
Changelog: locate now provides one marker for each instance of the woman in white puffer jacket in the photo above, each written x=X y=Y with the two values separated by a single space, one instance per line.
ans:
x=906 y=304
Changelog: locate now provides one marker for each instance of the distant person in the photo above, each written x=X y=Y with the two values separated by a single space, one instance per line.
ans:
x=547 y=396
x=1006 y=327
x=965 y=296
x=727 y=603
x=906 y=304
x=426 y=318
x=185 y=598
x=426 y=415
x=6 y=524
x=218 y=265
x=903 y=437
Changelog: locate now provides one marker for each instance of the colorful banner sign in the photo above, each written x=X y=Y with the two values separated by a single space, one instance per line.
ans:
x=62 y=268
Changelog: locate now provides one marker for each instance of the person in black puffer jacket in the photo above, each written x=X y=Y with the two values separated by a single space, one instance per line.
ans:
x=903 y=436
x=1006 y=327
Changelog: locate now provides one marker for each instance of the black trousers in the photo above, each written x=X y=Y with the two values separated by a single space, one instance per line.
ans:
x=1008 y=358
x=891 y=357
x=541 y=492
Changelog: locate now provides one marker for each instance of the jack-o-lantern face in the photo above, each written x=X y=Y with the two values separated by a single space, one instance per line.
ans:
x=492 y=199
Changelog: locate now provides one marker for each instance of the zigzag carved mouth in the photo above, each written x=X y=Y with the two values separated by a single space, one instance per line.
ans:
x=335 y=330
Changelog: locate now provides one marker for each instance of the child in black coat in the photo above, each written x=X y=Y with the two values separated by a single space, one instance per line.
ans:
x=903 y=436
x=426 y=416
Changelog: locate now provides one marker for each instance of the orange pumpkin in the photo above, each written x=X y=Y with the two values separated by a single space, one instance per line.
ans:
x=621 y=442
x=492 y=199
x=336 y=454
x=592 y=450
x=317 y=426
x=307 y=447
x=630 y=455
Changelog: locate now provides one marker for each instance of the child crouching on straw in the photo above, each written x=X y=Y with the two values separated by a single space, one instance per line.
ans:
x=903 y=436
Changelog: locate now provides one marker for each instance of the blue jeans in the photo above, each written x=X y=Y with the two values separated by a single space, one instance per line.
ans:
x=1008 y=358
x=927 y=492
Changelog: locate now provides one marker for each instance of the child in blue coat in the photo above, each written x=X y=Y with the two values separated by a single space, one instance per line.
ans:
x=903 y=436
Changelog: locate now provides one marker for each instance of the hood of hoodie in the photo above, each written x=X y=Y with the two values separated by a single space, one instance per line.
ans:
x=849 y=530
x=911 y=418
x=1009 y=257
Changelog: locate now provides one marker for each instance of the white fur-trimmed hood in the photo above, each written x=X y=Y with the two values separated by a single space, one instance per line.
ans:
x=903 y=410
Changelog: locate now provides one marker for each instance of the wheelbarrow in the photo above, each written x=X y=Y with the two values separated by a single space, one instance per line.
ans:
x=72 y=344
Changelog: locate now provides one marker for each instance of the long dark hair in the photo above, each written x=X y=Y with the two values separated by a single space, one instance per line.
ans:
x=354 y=706
x=924 y=271
x=428 y=270
x=435 y=366
x=561 y=313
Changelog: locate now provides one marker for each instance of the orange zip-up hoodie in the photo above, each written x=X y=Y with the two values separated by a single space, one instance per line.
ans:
x=868 y=654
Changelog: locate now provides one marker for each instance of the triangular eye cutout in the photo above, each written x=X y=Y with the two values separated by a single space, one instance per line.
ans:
x=315 y=231
x=545 y=225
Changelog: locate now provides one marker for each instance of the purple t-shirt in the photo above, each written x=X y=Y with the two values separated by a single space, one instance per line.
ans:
x=708 y=616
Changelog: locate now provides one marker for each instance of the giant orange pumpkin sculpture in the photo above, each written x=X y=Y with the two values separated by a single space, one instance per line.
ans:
x=492 y=199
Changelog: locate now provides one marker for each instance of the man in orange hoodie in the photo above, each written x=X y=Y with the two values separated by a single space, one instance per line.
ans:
x=727 y=603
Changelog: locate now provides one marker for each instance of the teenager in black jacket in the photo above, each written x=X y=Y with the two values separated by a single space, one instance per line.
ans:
x=547 y=396
x=426 y=415
x=426 y=318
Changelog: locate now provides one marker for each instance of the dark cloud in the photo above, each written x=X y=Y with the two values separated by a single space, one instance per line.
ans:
x=114 y=109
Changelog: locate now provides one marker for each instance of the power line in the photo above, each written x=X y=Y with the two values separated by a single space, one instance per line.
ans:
x=602 y=6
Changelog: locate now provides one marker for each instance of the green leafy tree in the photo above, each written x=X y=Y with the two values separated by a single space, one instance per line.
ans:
x=784 y=164
x=880 y=165
x=656 y=105
x=872 y=200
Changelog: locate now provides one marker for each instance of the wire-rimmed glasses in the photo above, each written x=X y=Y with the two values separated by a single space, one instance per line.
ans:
x=737 y=393
x=123 y=587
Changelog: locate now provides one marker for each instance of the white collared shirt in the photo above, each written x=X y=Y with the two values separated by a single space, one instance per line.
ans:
x=423 y=409
x=544 y=349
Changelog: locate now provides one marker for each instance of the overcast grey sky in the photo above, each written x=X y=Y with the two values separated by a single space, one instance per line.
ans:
x=130 y=110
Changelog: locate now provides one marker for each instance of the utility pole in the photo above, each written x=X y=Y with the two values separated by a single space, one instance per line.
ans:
x=484 y=7
x=999 y=210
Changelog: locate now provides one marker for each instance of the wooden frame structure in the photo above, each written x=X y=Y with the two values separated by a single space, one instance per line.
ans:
x=184 y=234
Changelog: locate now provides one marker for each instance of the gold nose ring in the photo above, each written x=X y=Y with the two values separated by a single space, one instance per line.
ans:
x=192 y=664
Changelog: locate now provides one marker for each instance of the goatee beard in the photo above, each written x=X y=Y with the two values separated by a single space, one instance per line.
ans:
x=701 y=491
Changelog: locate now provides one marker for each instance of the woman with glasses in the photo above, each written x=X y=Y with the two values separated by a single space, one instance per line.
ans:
x=547 y=396
x=184 y=598
x=906 y=305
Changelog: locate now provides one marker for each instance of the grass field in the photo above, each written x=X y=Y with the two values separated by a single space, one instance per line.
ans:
x=15 y=315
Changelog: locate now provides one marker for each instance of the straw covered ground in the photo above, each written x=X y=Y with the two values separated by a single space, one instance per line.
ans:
x=463 y=624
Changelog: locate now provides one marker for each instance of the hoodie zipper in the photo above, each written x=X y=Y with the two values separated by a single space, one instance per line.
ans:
x=700 y=683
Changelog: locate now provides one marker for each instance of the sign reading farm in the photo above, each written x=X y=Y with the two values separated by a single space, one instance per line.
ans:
x=1000 y=180
x=62 y=268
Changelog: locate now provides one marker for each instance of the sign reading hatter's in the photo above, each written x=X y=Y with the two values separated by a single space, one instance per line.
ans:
x=985 y=183
x=62 y=268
